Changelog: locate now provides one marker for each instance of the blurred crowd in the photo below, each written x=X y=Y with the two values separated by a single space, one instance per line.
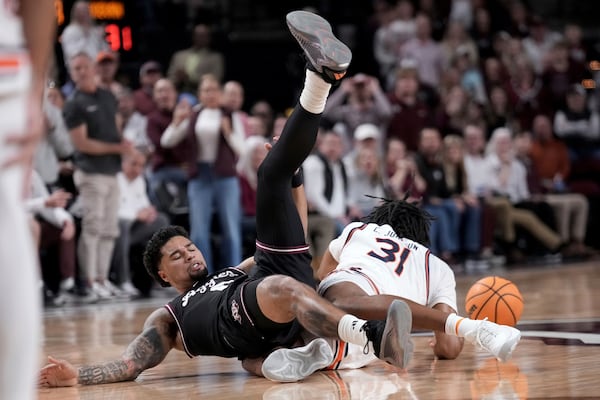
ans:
x=493 y=128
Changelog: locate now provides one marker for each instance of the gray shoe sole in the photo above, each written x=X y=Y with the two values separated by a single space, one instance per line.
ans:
x=321 y=47
x=292 y=365
x=396 y=344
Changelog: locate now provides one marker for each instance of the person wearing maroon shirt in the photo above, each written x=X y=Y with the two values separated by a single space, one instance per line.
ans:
x=150 y=73
x=167 y=165
x=410 y=114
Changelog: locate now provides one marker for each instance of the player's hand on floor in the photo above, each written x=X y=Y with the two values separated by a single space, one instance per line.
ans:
x=58 y=373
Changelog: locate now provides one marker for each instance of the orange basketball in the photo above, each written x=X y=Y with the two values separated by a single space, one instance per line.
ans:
x=496 y=298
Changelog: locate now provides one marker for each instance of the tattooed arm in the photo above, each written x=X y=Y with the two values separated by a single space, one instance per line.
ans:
x=147 y=350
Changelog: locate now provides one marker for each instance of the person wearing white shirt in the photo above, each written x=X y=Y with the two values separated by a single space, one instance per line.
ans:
x=134 y=123
x=138 y=219
x=82 y=35
x=57 y=230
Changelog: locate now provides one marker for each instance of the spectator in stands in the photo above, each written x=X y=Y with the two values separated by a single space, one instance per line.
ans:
x=561 y=72
x=214 y=149
x=107 y=65
x=326 y=181
x=54 y=148
x=548 y=160
x=482 y=33
x=359 y=100
x=134 y=124
x=367 y=187
x=187 y=66
x=427 y=52
x=494 y=73
x=82 y=34
x=396 y=28
x=57 y=230
x=402 y=176
x=233 y=100
x=150 y=73
x=456 y=38
x=409 y=113
x=471 y=77
x=574 y=38
x=498 y=112
x=255 y=126
x=247 y=168
x=168 y=165
x=444 y=233
x=55 y=96
x=519 y=20
x=90 y=115
x=263 y=110
x=508 y=177
x=539 y=43
x=452 y=116
x=579 y=127
x=525 y=93
x=458 y=187
x=138 y=219
x=365 y=136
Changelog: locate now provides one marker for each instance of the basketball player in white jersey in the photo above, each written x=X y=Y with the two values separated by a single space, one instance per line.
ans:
x=368 y=266
x=26 y=34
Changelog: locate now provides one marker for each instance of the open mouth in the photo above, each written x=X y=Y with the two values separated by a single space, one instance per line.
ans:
x=197 y=267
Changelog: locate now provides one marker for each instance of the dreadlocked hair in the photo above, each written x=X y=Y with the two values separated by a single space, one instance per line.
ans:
x=406 y=218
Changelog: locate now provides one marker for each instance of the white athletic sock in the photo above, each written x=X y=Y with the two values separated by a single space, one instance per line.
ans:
x=314 y=94
x=349 y=330
x=460 y=326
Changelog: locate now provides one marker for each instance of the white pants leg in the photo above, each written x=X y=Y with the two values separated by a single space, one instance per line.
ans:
x=20 y=303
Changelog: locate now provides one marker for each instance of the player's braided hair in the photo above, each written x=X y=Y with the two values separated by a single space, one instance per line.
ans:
x=152 y=253
x=406 y=218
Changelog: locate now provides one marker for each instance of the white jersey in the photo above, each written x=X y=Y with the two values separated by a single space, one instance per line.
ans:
x=11 y=34
x=380 y=262
x=374 y=258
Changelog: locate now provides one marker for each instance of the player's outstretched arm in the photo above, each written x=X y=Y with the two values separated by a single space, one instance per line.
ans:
x=446 y=346
x=147 y=350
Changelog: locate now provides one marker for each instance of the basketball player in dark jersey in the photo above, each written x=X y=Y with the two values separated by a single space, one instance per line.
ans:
x=247 y=311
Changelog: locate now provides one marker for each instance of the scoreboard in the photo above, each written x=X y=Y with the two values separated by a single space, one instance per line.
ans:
x=112 y=15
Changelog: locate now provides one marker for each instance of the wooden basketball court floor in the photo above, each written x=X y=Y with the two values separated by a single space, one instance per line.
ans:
x=558 y=357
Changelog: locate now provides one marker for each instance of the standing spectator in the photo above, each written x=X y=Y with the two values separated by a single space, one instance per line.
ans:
x=215 y=147
x=498 y=112
x=134 y=124
x=54 y=147
x=456 y=38
x=426 y=52
x=138 y=219
x=359 y=100
x=365 y=136
x=409 y=113
x=573 y=36
x=233 y=100
x=107 y=65
x=263 y=110
x=247 y=168
x=525 y=93
x=82 y=34
x=90 y=115
x=169 y=166
x=187 y=66
x=150 y=73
